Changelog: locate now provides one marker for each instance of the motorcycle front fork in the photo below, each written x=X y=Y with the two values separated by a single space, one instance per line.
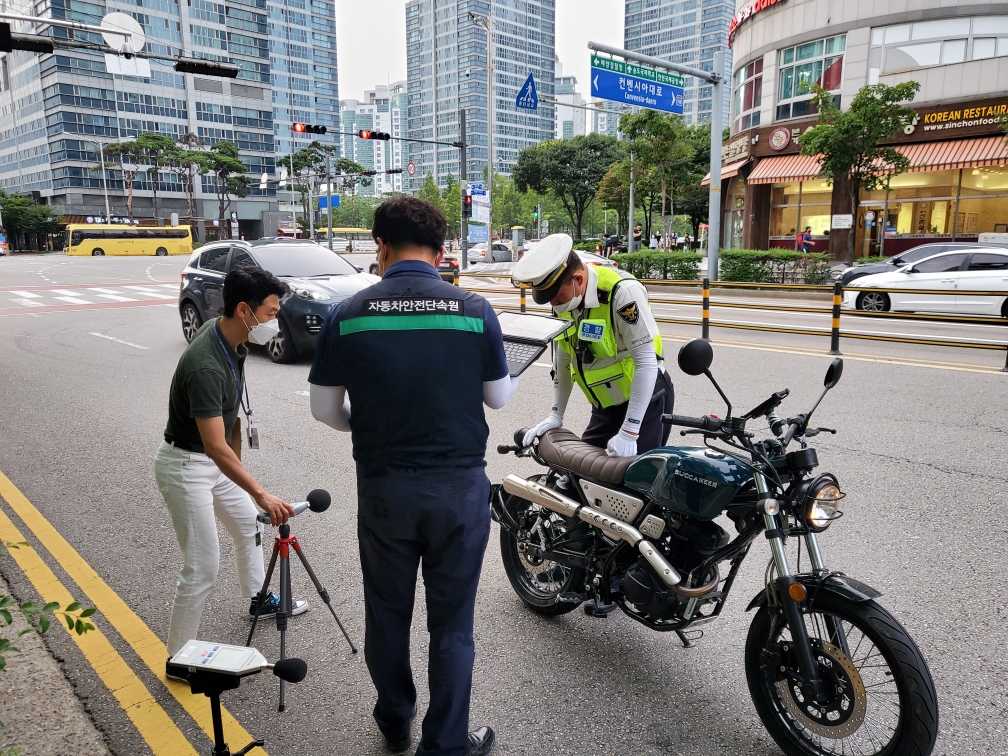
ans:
x=793 y=609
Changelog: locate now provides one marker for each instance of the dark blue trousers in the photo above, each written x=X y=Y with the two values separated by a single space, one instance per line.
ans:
x=439 y=520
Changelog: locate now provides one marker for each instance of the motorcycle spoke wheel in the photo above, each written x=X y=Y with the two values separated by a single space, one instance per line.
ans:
x=880 y=700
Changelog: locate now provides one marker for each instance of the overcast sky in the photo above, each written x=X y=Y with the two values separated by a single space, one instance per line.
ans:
x=371 y=39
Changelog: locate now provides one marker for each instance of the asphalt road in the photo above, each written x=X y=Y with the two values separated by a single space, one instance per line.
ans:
x=920 y=451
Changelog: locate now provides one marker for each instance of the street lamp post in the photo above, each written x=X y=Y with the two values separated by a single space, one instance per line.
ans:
x=101 y=155
x=487 y=23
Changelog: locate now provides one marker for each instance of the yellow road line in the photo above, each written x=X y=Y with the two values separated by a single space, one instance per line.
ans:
x=152 y=721
x=133 y=630
x=853 y=356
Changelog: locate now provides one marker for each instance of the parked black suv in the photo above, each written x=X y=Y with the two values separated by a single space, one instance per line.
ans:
x=318 y=279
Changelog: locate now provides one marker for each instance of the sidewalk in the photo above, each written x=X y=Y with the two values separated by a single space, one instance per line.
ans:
x=41 y=713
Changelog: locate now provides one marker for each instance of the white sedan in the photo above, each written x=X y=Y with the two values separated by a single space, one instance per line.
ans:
x=948 y=275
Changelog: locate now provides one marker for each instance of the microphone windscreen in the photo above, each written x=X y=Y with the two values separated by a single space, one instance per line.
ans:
x=319 y=500
x=291 y=670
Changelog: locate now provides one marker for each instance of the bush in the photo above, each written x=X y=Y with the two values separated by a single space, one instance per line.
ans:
x=774 y=266
x=586 y=245
x=866 y=260
x=654 y=264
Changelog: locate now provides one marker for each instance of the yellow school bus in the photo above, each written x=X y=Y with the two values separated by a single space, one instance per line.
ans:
x=97 y=239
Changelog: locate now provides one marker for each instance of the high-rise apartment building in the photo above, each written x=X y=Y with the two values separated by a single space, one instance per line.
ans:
x=683 y=31
x=56 y=109
x=570 y=114
x=446 y=61
x=383 y=109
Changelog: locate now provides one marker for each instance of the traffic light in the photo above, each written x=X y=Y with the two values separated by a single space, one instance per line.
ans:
x=381 y=135
x=307 y=128
x=9 y=42
x=206 y=68
x=467 y=206
x=392 y=170
x=535 y=213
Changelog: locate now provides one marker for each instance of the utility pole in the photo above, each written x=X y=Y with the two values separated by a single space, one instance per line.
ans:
x=463 y=188
x=328 y=175
x=629 y=239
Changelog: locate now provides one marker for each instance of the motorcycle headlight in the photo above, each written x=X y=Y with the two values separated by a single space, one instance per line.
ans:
x=312 y=295
x=823 y=504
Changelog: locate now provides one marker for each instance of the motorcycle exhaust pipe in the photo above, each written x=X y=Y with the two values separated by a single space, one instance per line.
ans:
x=545 y=497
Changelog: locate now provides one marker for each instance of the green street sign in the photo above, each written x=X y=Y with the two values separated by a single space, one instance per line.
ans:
x=637 y=71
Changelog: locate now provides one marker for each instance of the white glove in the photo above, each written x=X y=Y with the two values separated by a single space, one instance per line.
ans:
x=622 y=445
x=555 y=420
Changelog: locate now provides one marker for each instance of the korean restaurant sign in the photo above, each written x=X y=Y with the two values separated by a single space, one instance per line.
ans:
x=746 y=13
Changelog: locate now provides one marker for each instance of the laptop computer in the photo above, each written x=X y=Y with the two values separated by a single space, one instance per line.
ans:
x=526 y=337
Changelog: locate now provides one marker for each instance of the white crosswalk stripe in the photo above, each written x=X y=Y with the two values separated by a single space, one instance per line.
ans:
x=72 y=300
x=27 y=294
x=85 y=294
x=117 y=298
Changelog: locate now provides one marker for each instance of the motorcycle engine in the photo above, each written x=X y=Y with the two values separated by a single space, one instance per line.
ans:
x=685 y=543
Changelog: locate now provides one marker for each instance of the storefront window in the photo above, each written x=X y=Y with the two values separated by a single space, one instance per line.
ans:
x=804 y=66
x=735 y=213
x=796 y=205
x=748 y=95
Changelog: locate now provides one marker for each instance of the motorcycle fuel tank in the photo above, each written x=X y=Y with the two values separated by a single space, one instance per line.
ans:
x=692 y=481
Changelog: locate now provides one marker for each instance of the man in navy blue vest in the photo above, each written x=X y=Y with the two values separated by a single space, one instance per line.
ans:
x=417 y=358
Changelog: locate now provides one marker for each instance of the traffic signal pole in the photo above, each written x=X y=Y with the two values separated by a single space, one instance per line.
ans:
x=328 y=175
x=463 y=187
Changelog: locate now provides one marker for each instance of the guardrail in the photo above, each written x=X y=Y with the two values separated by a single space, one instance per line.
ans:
x=835 y=332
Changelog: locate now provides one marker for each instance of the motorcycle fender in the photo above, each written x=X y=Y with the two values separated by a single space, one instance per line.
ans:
x=835 y=582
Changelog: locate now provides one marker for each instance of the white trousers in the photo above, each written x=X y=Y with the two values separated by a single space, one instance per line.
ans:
x=196 y=492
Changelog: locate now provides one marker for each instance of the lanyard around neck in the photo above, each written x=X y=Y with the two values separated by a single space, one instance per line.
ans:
x=239 y=385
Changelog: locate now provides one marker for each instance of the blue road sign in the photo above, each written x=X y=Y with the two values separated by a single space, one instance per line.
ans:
x=323 y=202
x=615 y=80
x=477 y=190
x=478 y=234
x=528 y=97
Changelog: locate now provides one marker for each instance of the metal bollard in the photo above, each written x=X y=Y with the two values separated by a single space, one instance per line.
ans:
x=706 y=310
x=522 y=289
x=1005 y=368
x=455 y=277
x=835 y=335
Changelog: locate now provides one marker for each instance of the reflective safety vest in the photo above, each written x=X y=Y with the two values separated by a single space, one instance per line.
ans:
x=601 y=366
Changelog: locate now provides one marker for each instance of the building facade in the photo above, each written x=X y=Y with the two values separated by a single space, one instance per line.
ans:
x=687 y=32
x=571 y=117
x=383 y=109
x=957 y=185
x=57 y=108
x=446 y=60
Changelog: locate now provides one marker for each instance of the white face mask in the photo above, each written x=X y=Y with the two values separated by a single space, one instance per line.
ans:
x=572 y=304
x=262 y=333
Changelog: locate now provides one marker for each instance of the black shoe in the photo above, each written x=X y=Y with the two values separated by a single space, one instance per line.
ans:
x=176 y=671
x=401 y=745
x=271 y=605
x=481 y=741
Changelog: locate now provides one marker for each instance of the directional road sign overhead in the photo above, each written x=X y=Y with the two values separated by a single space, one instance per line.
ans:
x=528 y=97
x=632 y=84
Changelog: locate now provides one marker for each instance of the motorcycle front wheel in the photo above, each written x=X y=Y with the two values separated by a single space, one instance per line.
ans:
x=538 y=581
x=881 y=699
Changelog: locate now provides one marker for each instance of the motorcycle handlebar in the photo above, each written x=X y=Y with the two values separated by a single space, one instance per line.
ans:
x=706 y=423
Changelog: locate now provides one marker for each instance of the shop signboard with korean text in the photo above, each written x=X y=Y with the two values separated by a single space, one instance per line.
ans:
x=632 y=84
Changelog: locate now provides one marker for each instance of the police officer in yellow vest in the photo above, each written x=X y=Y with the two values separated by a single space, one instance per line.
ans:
x=613 y=350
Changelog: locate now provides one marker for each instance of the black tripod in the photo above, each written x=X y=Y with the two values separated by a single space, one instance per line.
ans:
x=281 y=547
x=212 y=685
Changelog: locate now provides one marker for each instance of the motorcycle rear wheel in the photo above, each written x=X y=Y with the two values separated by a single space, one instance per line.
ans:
x=539 y=583
x=883 y=700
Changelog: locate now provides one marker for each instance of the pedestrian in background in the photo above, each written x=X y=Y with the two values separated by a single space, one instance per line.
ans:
x=197 y=469
x=637 y=236
x=805 y=240
x=417 y=359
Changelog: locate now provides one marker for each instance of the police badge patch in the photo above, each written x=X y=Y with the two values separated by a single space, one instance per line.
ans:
x=630 y=313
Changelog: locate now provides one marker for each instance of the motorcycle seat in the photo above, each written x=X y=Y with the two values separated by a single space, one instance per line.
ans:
x=563 y=449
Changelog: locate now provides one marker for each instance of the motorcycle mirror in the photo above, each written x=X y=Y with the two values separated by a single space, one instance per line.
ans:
x=695 y=357
x=833 y=373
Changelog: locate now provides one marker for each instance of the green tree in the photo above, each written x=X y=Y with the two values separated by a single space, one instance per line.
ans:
x=848 y=144
x=24 y=218
x=190 y=160
x=351 y=175
x=451 y=204
x=660 y=144
x=229 y=175
x=157 y=151
x=571 y=168
x=429 y=191
x=127 y=156
x=614 y=193
x=692 y=197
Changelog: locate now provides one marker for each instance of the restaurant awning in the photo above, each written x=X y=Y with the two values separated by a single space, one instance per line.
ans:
x=727 y=171
x=960 y=153
x=784 y=168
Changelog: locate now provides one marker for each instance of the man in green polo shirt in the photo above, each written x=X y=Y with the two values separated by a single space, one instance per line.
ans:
x=197 y=471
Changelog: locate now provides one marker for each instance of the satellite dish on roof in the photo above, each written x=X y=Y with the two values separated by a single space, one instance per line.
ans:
x=125 y=33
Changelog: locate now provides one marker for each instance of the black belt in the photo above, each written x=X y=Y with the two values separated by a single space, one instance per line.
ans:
x=183 y=447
